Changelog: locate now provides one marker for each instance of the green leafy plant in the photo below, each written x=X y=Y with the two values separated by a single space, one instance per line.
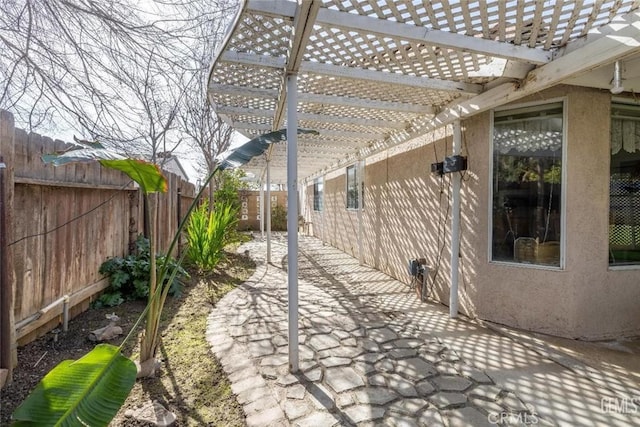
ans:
x=278 y=218
x=229 y=186
x=97 y=384
x=91 y=390
x=71 y=389
x=209 y=232
x=129 y=276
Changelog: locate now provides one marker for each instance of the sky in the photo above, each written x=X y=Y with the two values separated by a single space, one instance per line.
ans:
x=65 y=128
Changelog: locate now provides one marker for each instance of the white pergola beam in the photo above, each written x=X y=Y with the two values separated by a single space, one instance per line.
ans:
x=351 y=121
x=319 y=154
x=334 y=134
x=303 y=19
x=353 y=135
x=316 y=99
x=315 y=155
x=319 y=99
x=622 y=38
x=277 y=8
x=354 y=73
x=386 y=28
x=251 y=126
x=253 y=60
x=243 y=111
x=330 y=149
x=369 y=104
x=277 y=160
x=245 y=91
x=366 y=136
x=622 y=41
x=389 y=78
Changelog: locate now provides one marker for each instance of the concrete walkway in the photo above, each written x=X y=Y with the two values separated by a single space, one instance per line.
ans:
x=372 y=354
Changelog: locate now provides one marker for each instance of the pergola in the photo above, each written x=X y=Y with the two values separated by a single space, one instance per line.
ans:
x=372 y=74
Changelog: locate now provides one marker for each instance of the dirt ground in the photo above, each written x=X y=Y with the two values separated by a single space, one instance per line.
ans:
x=191 y=382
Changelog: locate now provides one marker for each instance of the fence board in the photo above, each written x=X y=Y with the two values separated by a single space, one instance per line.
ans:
x=68 y=220
x=8 y=353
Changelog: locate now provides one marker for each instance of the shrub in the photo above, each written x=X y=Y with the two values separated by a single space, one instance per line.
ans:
x=229 y=185
x=209 y=232
x=129 y=276
x=279 y=218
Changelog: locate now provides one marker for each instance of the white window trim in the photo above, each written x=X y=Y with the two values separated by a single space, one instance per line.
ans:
x=627 y=101
x=346 y=174
x=563 y=196
x=319 y=179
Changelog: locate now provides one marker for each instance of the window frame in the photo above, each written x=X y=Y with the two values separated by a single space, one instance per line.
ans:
x=614 y=267
x=352 y=204
x=563 y=196
x=318 y=194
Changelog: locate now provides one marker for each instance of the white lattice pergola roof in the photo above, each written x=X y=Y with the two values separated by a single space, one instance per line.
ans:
x=375 y=73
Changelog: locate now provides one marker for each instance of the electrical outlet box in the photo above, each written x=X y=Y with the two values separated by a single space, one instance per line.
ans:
x=436 y=168
x=454 y=164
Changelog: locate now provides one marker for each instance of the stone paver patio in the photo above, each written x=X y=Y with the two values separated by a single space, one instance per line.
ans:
x=372 y=354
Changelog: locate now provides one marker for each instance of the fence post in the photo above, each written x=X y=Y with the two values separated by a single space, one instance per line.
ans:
x=8 y=351
x=134 y=217
x=179 y=217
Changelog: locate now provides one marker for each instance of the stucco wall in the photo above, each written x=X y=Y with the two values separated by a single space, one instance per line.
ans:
x=606 y=299
x=407 y=215
x=521 y=296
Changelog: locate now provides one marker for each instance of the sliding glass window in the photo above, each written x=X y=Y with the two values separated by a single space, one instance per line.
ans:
x=352 y=187
x=318 y=194
x=624 y=186
x=527 y=185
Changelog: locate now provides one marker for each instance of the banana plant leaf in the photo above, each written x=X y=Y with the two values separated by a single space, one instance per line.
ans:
x=255 y=147
x=146 y=174
x=81 y=155
x=88 y=391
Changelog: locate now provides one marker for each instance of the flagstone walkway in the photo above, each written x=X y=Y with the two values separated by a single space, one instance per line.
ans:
x=372 y=354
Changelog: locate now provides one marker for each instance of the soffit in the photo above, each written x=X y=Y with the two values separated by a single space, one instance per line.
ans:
x=373 y=74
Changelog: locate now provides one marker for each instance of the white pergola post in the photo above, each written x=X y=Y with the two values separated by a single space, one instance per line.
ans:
x=360 y=181
x=455 y=224
x=302 y=191
x=323 y=216
x=268 y=210
x=261 y=210
x=292 y=217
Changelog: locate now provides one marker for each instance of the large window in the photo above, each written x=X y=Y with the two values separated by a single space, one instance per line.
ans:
x=624 y=186
x=318 y=194
x=527 y=185
x=352 y=187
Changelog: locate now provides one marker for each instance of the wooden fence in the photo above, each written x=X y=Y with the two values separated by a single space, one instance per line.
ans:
x=61 y=224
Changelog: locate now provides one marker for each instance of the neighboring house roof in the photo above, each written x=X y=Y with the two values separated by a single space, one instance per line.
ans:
x=171 y=163
x=372 y=74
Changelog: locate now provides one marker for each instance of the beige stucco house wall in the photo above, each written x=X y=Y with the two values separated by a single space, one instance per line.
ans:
x=407 y=215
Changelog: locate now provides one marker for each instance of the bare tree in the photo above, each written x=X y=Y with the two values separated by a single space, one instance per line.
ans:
x=52 y=59
x=114 y=71
x=208 y=133
x=205 y=130
x=155 y=97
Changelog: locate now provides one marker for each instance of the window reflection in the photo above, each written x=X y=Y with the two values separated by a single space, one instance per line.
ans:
x=318 y=194
x=624 y=187
x=352 y=188
x=527 y=185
